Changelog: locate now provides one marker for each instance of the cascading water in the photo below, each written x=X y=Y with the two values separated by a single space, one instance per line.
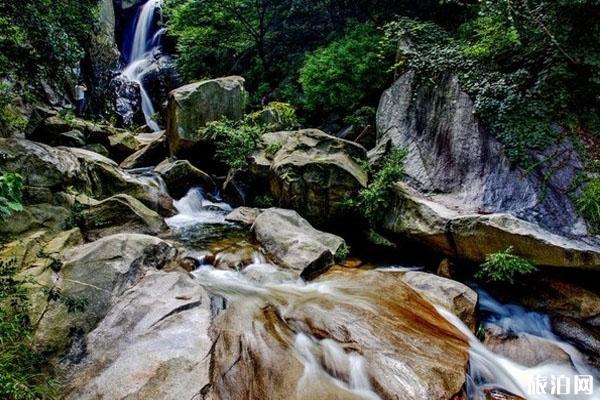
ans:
x=492 y=371
x=144 y=48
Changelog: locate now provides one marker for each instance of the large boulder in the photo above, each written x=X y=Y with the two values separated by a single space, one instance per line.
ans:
x=149 y=155
x=192 y=106
x=180 y=176
x=119 y=214
x=473 y=236
x=314 y=173
x=91 y=274
x=294 y=243
x=153 y=343
x=463 y=197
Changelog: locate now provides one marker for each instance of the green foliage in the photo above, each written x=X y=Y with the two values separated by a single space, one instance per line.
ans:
x=272 y=149
x=362 y=117
x=43 y=38
x=234 y=141
x=588 y=203
x=11 y=196
x=10 y=118
x=285 y=115
x=264 y=201
x=374 y=201
x=23 y=371
x=503 y=266
x=342 y=253
x=346 y=74
x=525 y=64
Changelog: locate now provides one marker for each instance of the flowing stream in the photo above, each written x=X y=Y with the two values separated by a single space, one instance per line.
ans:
x=145 y=47
x=328 y=366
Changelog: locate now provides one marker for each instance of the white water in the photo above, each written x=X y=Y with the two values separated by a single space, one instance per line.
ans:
x=195 y=209
x=489 y=370
x=142 y=56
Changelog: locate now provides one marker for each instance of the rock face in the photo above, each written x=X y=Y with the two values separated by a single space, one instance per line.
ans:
x=192 y=106
x=294 y=243
x=465 y=188
x=118 y=214
x=149 y=155
x=472 y=236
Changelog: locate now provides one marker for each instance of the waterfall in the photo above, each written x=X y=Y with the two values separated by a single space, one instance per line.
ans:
x=146 y=42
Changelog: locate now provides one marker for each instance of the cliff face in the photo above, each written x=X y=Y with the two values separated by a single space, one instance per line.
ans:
x=455 y=161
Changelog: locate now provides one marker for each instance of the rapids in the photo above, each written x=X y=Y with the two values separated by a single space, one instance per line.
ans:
x=331 y=367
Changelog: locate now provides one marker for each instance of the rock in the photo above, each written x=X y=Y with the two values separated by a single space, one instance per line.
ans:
x=243 y=215
x=35 y=217
x=72 y=138
x=445 y=269
x=313 y=172
x=120 y=214
x=472 y=236
x=149 y=155
x=294 y=243
x=97 y=148
x=154 y=343
x=93 y=273
x=126 y=102
x=584 y=337
x=180 y=176
x=192 y=106
x=103 y=54
x=62 y=169
x=451 y=155
x=526 y=349
x=457 y=298
x=398 y=343
x=159 y=79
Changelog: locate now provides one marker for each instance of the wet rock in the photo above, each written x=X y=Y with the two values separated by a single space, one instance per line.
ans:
x=126 y=102
x=472 y=236
x=180 y=176
x=153 y=344
x=192 y=106
x=457 y=298
x=525 y=349
x=584 y=337
x=93 y=274
x=34 y=217
x=149 y=155
x=409 y=353
x=243 y=215
x=97 y=148
x=294 y=243
x=119 y=214
x=313 y=173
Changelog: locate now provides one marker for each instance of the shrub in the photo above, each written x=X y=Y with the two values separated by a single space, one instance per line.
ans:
x=234 y=141
x=588 y=203
x=285 y=115
x=10 y=118
x=342 y=253
x=503 y=266
x=11 y=197
x=345 y=74
x=374 y=200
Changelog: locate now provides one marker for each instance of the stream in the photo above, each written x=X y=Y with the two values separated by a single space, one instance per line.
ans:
x=248 y=281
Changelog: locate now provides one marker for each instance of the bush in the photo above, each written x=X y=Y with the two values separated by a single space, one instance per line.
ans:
x=588 y=203
x=346 y=74
x=11 y=196
x=503 y=266
x=234 y=141
x=10 y=118
x=374 y=201
x=285 y=115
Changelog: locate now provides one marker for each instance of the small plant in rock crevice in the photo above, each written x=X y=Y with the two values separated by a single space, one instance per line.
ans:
x=588 y=203
x=11 y=194
x=504 y=266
